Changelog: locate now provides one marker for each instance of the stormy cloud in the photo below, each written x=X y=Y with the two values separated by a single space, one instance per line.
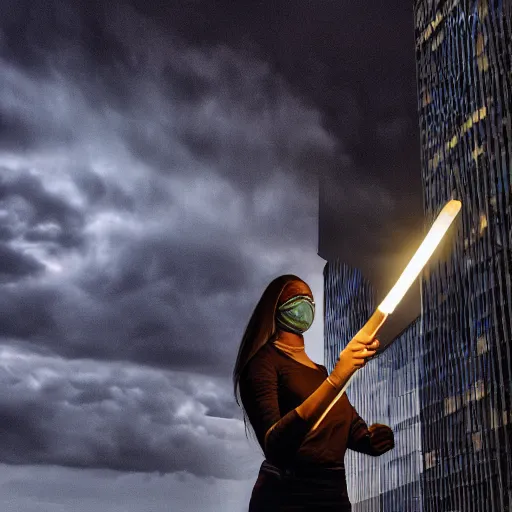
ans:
x=159 y=165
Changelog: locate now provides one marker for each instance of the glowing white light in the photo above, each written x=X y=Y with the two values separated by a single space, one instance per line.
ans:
x=422 y=255
x=411 y=272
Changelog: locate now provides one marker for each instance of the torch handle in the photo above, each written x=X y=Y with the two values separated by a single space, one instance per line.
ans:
x=370 y=328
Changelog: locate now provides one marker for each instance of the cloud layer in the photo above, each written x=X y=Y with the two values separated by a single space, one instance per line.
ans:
x=135 y=231
x=57 y=489
x=84 y=413
x=146 y=200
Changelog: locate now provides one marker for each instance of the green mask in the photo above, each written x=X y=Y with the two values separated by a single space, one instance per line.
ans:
x=296 y=314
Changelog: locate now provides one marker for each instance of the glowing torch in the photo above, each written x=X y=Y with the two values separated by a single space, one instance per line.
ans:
x=409 y=275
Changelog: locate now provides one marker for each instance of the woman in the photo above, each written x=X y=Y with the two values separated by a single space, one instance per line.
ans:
x=283 y=394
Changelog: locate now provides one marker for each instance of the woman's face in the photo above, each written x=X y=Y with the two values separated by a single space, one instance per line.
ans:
x=295 y=308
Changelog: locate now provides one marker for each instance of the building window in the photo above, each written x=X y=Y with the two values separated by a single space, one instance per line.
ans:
x=477 y=441
x=481 y=345
x=430 y=459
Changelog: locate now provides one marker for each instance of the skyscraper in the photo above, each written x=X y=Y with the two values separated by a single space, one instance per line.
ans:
x=349 y=302
x=399 y=376
x=464 y=71
x=385 y=391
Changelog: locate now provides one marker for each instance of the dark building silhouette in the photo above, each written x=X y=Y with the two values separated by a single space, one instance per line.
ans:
x=449 y=374
x=463 y=51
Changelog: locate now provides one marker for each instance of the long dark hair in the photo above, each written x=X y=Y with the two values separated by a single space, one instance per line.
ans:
x=260 y=329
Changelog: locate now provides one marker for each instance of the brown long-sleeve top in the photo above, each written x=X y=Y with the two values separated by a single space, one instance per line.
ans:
x=272 y=385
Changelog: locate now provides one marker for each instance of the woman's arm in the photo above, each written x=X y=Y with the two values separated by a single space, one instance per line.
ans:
x=281 y=437
x=352 y=358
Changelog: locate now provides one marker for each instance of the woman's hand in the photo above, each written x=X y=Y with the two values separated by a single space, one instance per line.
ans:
x=382 y=438
x=353 y=357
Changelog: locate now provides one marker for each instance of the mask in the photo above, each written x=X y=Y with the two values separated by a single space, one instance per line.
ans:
x=296 y=314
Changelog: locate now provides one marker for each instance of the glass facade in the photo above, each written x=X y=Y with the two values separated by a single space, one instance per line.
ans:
x=402 y=467
x=464 y=54
x=391 y=482
x=349 y=301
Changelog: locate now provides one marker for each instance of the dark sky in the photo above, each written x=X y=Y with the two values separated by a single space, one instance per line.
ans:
x=158 y=167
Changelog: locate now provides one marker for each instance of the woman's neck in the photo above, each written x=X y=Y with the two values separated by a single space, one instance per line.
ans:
x=293 y=345
x=290 y=338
